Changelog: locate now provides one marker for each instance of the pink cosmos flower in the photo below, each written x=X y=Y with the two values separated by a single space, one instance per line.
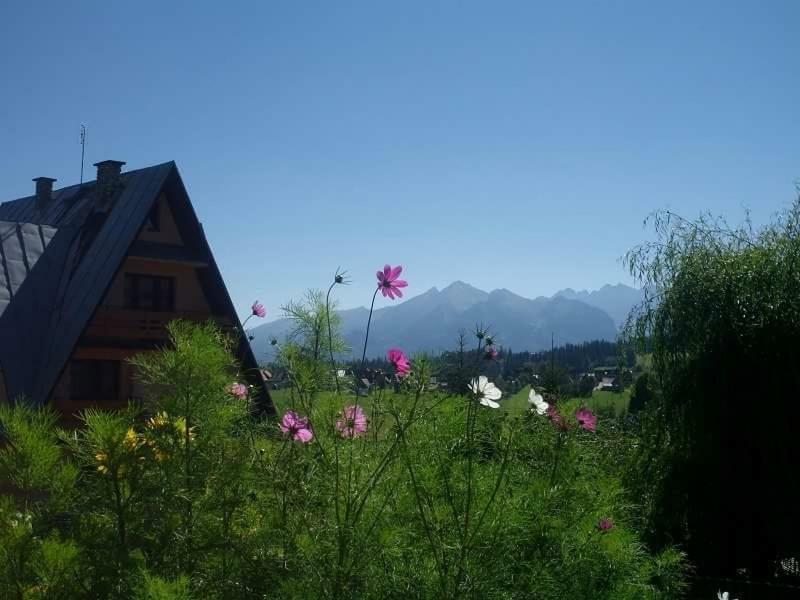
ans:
x=556 y=419
x=297 y=427
x=353 y=422
x=491 y=354
x=605 y=524
x=388 y=281
x=239 y=390
x=400 y=362
x=258 y=310
x=586 y=419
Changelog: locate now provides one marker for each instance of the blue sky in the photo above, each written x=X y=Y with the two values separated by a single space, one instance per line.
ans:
x=507 y=144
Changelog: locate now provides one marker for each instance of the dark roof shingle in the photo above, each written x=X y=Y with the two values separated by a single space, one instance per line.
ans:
x=21 y=247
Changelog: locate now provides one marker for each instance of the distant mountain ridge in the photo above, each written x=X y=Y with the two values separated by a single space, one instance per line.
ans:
x=431 y=321
x=616 y=300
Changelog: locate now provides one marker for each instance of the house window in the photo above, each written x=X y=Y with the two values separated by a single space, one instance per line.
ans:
x=94 y=380
x=147 y=292
x=153 y=222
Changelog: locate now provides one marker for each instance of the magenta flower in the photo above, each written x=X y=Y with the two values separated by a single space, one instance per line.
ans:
x=239 y=390
x=491 y=354
x=586 y=419
x=400 y=362
x=558 y=421
x=605 y=524
x=297 y=427
x=388 y=281
x=352 y=422
x=258 y=310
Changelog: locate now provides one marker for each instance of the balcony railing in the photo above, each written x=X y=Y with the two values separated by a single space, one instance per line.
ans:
x=112 y=322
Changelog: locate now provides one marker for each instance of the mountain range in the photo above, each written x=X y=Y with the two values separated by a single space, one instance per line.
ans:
x=431 y=321
x=616 y=300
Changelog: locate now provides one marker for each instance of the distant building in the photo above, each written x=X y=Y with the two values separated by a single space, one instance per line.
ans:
x=607 y=383
x=91 y=274
x=608 y=371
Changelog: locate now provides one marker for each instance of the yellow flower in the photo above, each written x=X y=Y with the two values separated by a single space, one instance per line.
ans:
x=159 y=421
x=166 y=431
x=36 y=591
x=102 y=458
x=158 y=453
x=180 y=427
x=131 y=441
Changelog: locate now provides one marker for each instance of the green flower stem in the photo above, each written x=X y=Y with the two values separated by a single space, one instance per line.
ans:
x=330 y=334
x=369 y=321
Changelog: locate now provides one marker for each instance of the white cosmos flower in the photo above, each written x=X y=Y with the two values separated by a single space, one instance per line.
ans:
x=723 y=596
x=487 y=392
x=537 y=402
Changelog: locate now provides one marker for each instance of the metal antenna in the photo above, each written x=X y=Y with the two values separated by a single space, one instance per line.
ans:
x=83 y=148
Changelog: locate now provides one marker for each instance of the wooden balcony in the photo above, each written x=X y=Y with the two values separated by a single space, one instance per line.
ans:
x=122 y=324
x=167 y=253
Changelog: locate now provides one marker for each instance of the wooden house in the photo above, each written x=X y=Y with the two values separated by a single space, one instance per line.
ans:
x=91 y=274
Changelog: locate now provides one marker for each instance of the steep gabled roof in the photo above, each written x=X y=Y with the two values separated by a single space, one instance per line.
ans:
x=58 y=262
x=21 y=247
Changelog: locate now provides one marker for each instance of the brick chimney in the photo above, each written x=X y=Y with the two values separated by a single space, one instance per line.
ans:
x=44 y=190
x=108 y=182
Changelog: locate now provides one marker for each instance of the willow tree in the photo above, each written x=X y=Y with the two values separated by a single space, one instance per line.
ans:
x=722 y=318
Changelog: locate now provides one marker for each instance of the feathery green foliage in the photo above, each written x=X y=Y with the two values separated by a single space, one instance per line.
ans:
x=722 y=318
x=187 y=496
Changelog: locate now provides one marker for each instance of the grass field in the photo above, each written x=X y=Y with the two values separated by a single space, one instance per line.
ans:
x=518 y=403
x=280 y=398
x=617 y=400
x=514 y=405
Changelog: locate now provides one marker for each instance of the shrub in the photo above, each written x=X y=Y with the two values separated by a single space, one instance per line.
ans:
x=723 y=321
x=642 y=393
